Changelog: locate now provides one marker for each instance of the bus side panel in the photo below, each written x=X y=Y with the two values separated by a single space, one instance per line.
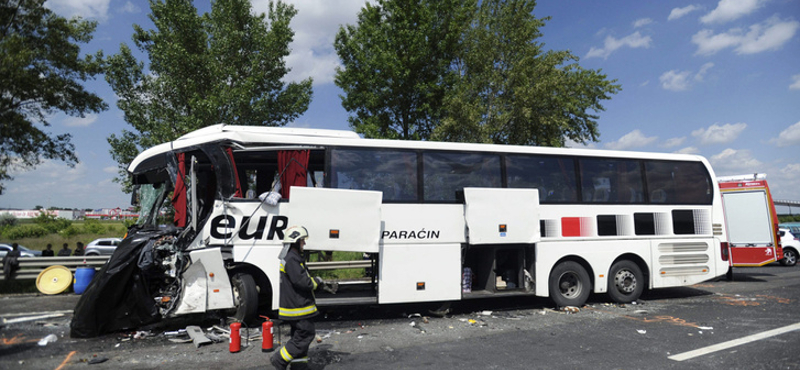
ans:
x=422 y=223
x=681 y=262
x=419 y=273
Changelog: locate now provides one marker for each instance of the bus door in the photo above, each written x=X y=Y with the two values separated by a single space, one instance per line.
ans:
x=749 y=225
x=337 y=219
x=502 y=227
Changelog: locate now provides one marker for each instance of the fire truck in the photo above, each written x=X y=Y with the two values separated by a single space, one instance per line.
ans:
x=751 y=222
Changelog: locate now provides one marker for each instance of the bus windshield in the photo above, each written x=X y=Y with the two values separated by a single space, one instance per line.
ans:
x=151 y=200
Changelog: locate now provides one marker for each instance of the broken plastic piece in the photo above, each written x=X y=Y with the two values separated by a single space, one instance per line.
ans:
x=48 y=339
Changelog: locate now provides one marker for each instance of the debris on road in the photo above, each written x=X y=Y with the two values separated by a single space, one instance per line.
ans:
x=48 y=339
x=197 y=335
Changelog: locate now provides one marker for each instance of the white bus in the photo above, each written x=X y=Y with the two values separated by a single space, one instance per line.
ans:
x=440 y=222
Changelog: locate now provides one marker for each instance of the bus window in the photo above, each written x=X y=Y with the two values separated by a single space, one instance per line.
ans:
x=445 y=173
x=678 y=182
x=616 y=181
x=553 y=176
x=392 y=172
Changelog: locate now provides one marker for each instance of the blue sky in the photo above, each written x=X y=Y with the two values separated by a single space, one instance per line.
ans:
x=715 y=78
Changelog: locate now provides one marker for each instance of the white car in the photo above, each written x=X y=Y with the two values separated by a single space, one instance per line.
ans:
x=102 y=247
x=791 y=247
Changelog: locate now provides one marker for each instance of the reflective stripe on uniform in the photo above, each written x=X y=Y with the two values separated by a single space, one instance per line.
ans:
x=301 y=360
x=285 y=354
x=282 y=269
x=297 y=312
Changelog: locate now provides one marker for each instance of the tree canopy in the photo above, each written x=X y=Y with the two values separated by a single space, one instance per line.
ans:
x=224 y=66
x=493 y=83
x=41 y=70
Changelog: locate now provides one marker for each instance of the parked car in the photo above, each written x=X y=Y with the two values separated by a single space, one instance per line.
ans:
x=24 y=252
x=791 y=247
x=102 y=247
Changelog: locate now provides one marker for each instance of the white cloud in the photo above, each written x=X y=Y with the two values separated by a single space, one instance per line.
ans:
x=731 y=161
x=791 y=171
x=716 y=134
x=703 y=70
x=795 y=83
x=315 y=26
x=111 y=169
x=129 y=8
x=688 y=150
x=611 y=44
x=771 y=34
x=675 y=80
x=84 y=8
x=680 y=12
x=788 y=137
x=673 y=142
x=569 y=143
x=80 y=121
x=728 y=10
x=633 y=139
x=642 y=22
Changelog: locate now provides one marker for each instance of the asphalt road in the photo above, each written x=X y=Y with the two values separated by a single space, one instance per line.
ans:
x=752 y=322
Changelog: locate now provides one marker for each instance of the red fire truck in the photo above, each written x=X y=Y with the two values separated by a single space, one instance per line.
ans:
x=750 y=219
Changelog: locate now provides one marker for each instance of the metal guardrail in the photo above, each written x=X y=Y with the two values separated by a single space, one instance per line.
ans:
x=30 y=267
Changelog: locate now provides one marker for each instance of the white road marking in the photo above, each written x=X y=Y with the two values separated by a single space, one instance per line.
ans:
x=733 y=343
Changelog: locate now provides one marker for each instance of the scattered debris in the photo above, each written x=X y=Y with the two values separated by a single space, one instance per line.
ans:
x=48 y=339
x=97 y=360
x=197 y=335
x=705 y=328
x=571 y=309
x=640 y=331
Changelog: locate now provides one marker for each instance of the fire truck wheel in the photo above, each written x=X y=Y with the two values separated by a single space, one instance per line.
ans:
x=245 y=297
x=569 y=284
x=625 y=282
x=789 y=257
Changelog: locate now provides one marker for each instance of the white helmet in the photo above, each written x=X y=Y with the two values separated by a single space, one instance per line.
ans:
x=295 y=233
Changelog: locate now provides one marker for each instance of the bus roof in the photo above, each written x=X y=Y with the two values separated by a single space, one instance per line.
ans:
x=256 y=135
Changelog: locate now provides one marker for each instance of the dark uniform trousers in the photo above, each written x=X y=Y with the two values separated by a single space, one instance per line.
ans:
x=295 y=352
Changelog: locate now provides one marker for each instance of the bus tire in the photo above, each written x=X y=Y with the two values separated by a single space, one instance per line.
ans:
x=245 y=296
x=625 y=282
x=789 y=257
x=569 y=284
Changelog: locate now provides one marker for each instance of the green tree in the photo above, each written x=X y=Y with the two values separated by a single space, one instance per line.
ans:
x=512 y=91
x=224 y=66
x=41 y=69
x=463 y=71
x=396 y=65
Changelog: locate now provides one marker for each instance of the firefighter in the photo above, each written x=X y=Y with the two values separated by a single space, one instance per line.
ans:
x=297 y=302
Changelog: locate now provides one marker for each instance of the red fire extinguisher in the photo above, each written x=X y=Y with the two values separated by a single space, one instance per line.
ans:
x=266 y=336
x=236 y=338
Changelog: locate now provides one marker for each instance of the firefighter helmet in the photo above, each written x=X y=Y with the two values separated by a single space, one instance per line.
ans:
x=295 y=233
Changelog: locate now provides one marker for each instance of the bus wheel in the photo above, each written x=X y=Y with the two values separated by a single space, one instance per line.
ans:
x=625 y=282
x=789 y=257
x=569 y=284
x=245 y=298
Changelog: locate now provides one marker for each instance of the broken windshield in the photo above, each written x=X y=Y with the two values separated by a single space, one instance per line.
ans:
x=151 y=199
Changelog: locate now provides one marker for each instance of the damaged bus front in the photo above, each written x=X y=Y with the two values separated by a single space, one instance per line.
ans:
x=165 y=266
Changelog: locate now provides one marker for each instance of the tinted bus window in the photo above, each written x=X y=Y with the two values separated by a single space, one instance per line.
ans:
x=614 y=181
x=392 y=172
x=446 y=173
x=553 y=176
x=678 y=182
